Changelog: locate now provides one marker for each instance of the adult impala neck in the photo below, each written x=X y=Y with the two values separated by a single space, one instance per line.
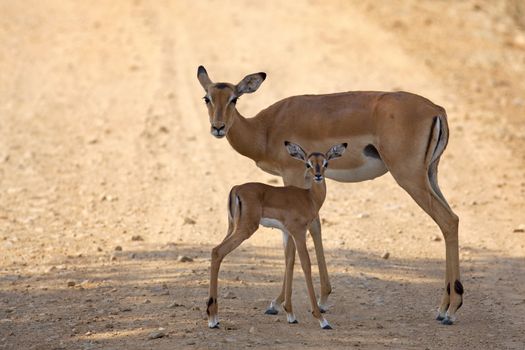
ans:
x=247 y=137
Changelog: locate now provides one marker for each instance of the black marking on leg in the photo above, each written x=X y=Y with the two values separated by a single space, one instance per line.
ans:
x=240 y=205
x=448 y=289
x=208 y=304
x=458 y=287
x=371 y=151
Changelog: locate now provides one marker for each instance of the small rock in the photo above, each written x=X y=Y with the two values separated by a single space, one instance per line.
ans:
x=229 y=295
x=113 y=257
x=99 y=249
x=252 y=330
x=156 y=335
x=363 y=215
x=71 y=283
x=184 y=258
x=132 y=256
x=118 y=248
x=519 y=229
x=435 y=238
x=174 y=305
x=189 y=221
x=385 y=255
x=137 y=238
x=146 y=301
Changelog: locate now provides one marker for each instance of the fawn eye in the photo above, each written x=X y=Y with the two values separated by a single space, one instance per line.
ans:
x=308 y=165
x=206 y=99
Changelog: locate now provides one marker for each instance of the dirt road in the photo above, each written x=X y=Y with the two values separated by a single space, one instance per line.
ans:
x=108 y=173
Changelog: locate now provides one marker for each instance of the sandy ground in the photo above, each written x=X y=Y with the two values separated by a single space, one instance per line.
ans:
x=108 y=173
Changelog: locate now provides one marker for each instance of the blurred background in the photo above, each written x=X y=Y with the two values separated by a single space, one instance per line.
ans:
x=109 y=178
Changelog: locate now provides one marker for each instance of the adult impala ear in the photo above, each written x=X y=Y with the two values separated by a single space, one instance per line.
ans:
x=250 y=83
x=202 y=75
x=336 y=151
x=295 y=151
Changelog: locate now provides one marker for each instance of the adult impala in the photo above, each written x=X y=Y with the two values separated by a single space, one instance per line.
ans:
x=290 y=209
x=399 y=132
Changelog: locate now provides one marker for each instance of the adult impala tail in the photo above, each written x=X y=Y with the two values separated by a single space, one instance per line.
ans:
x=397 y=132
x=290 y=209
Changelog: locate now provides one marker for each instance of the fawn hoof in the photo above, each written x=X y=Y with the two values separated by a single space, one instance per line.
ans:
x=447 y=321
x=439 y=317
x=293 y=322
x=271 y=311
x=324 y=324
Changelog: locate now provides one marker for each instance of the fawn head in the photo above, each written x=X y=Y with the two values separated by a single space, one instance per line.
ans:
x=316 y=162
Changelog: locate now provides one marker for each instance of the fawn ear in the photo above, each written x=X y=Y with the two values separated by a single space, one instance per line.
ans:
x=336 y=151
x=203 y=77
x=295 y=151
x=250 y=83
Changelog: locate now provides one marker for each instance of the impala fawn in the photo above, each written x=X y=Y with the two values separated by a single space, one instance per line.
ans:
x=290 y=209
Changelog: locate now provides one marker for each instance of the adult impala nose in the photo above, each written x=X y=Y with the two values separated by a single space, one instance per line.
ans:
x=218 y=130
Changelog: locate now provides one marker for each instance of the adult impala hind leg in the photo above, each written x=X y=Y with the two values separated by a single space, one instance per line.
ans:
x=423 y=188
x=232 y=241
x=300 y=243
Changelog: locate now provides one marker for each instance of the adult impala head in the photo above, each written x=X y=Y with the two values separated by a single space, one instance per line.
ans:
x=221 y=99
x=316 y=162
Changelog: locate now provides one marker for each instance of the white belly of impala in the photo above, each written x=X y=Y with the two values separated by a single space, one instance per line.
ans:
x=368 y=171
x=272 y=223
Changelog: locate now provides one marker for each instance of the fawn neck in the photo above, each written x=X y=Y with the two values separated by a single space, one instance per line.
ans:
x=317 y=192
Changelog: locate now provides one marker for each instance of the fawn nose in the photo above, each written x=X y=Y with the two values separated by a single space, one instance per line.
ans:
x=318 y=177
x=218 y=130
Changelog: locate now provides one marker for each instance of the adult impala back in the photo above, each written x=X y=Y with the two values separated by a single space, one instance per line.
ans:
x=399 y=132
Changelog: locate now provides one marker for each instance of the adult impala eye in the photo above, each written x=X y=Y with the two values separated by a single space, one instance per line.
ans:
x=234 y=100
x=206 y=99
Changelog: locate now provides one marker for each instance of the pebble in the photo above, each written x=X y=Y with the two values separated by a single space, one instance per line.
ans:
x=118 y=248
x=435 y=238
x=174 y=305
x=156 y=335
x=385 y=255
x=363 y=215
x=184 y=258
x=137 y=238
x=519 y=229
x=229 y=295
x=189 y=221
x=252 y=330
x=71 y=283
